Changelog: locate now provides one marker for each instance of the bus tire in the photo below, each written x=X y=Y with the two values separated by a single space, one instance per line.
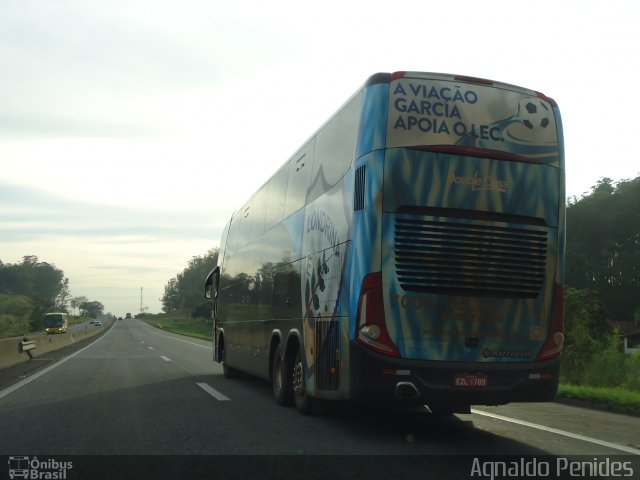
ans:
x=304 y=403
x=227 y=371
x=281 y=377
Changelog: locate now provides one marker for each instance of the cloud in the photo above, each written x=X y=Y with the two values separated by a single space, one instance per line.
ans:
x=106 y=251
x=28 y=213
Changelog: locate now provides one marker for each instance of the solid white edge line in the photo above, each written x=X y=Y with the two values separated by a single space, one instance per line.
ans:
x=603 y=443
x=26 y=381
x=185 y=341
x=166 y=359
x=213 y=392
x=178 y=339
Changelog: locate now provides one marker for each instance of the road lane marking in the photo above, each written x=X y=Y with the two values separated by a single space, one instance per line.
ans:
x=166 y=359
x=26 y=381
x=213 y=392
x=603 y=443
x=151 y=348
x=185 y=341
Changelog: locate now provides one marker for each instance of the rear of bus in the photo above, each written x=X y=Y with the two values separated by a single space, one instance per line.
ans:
x=460 y=196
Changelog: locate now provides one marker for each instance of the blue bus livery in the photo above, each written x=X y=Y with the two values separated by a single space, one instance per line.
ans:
x=411 y=251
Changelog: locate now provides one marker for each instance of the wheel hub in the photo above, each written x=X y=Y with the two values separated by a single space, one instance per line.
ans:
x=298 y=378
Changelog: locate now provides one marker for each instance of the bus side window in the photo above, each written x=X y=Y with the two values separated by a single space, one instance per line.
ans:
x=335 y=148
x=245 y=217
x=277 y=195
x=260 y=205
x=300 y=169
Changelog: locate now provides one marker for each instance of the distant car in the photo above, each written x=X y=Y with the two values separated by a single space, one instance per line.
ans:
x=95 y=322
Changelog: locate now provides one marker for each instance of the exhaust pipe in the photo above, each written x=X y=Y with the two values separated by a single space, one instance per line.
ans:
x=406 y=391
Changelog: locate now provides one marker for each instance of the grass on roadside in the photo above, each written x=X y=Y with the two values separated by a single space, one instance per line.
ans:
x=610 y=396
x=180 y=325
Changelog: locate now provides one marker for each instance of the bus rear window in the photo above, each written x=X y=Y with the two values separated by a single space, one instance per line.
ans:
x=440 y=112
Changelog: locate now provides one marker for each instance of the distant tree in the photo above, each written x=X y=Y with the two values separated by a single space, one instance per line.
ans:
x=40 y=281
x=76 y=303
x=185 y=292
x=38 y=287
x=62 y=300
x=171 y=301
x=92 y=309
x=603 y=245
x=18 y=306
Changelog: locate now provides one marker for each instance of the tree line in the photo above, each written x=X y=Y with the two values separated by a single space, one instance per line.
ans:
x=603 y=284
x=30 y=289
x=603 y=245
x=184 y=292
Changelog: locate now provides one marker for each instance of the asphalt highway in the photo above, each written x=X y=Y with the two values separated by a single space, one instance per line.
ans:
x=138 y=390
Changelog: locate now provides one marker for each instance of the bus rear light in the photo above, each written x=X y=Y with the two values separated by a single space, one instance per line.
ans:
x=550 y=100
x=372 y=328
x=396 y=75
x=555 y=339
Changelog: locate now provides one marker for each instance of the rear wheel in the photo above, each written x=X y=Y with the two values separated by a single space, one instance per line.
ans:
x=303 y=402
x=281 y=376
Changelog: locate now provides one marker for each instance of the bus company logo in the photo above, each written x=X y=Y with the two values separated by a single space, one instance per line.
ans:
x=478 y=183
x=491 y=353
x=34 y=469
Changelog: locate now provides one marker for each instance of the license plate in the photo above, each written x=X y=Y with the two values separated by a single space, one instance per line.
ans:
x=470 y=380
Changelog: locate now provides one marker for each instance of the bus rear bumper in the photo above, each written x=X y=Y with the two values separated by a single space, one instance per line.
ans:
x=443 y=385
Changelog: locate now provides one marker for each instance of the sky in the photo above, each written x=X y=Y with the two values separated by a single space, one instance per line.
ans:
x=131 y=130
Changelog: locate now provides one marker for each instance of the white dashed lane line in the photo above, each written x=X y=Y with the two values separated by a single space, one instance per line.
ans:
x=166 y=359
x=213 y=392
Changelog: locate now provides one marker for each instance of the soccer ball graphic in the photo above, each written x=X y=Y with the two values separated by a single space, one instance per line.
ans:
x=534 y=113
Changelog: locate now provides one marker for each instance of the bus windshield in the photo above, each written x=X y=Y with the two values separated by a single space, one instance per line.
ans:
x=52 y=321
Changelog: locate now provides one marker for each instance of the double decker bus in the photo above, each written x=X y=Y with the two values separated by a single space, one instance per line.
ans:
x=411 y=251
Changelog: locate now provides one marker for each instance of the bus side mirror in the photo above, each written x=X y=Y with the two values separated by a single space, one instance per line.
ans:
x=212 y=283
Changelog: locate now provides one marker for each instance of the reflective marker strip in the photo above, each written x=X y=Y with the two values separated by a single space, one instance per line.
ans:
x=213 y=392
x=603 y=443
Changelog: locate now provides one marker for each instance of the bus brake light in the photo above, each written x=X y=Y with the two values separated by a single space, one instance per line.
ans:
x=372 y=328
